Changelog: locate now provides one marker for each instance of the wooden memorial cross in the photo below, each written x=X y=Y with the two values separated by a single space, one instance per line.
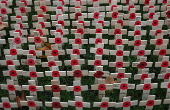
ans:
x=7 y=3
x=11 y=88
x=164 y=64
x=63 y=2
x=7 y=105
x=77 y=72
x=120 y=74
x=146 y=87
x=146 y=2
x=13 y=51
x=39 y=41
x=98 y=61
x=21 y=25
x=55 y=73
x=78 y=39
x=118 y=41
x=101 y=21
x=59 y=13
x=99 y=29
x=81 y=20
x=98 y=39
x=104 y=104
x=23 y=9
x=156 y=32
x=42 y=6
x=77 y=4
x=54 y=52
x=18 y=30
x=155 y=23
x=131 y=5
x=78 y=103
x=118 y=19
x=13 y=73
x=60 y=29
x=126 y=104
x=77 y=88
x=144 y=74
x=43 y=24
x=9 y=61
x=132 y=14
x=42 y=3
x=32 y=88
x=102 y=87
x=39 y=31
x=19 y=18
x=33 y=105
x=141 y=52
x=26 y=2
x=113 y=5
x=59 y=5
x=98 y=1
x=165 y=8
x=40 y=13
x=98 y=50
x=118 y=30
x=55 y=87
x=56 y=104
x=167 y=86
x=137 y=22
x=96 y=4
x=33 y=74
x=123 y=86
x=98 y=73
x=51 y=62
x=119 y=51
x=137 y=31
x=165 y=75
x=32 y=51
x=31 y=61
x=76 y=49
x=78 y=12
x=80 y=30
x=150 y=102
x=4 y=10
x=114 y=14
x=119 y=63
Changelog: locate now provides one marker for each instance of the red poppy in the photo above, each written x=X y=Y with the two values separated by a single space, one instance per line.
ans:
x=57 y=16
x=44 y=9
x=98 y=74
x=55 y=88
x=155 y=23
x=120 y=75
x=143 y=76
x=54 y=53
x=77 y=73
x=117 y=31
x=137 y=23
x=6 y=105
x=60 y=30
x=32 y=88
x=96 y=15
x=25 y=2
x=4 y=2
x=30 y=62
x=58 y=40
x=81 y=31
x=33 y=74
x=13 y=52
x=104 y=104
x=3 y=11
x=114 y=14
x=11 y=87
x=42 y=24
x=20 y=25
x=9 y=62
x=98 y=31
x=78 y=104
x=132 y=16
x=119 y=64
x=159 y=42
x=97 y=62
x=110 y=1
x=20 y=33
x=118 y=42
x=151 y=15
x=102 y=22
x=76 y=51
x=99 y=51
x=101 y=87
x=18 y=16
x=61 y=1
x=165 y=64
x=167 y=76
x=168 y=14
x=61 y=22
x=131 y=6
x=112 y=7
x=126 y=104
x=141 y=52
x=146 y=2
x=77 y=15
x=51 y=63
x=162 y=52
x=31 y=104
x=22 y=9
x=82 y=23
x=119 y=53
x=95 y=0
x=127 y=2
x=55 y=74
x=146 y=87
x=150 y=103
x=37 y=40
x=137 y=43
x=77 y=7
x=60 y=7
x=142 y=65
x=41 y=15
x=164 y=1
x=74 y=62
x=40 y=31
x=77 y=88
x=78 y=41
x=98 y=40
x=32 y=52
x=137 y=32
x=120 y=21
x=123 y=86
x=158 y=32
x=13 y=73
x=56 y=105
